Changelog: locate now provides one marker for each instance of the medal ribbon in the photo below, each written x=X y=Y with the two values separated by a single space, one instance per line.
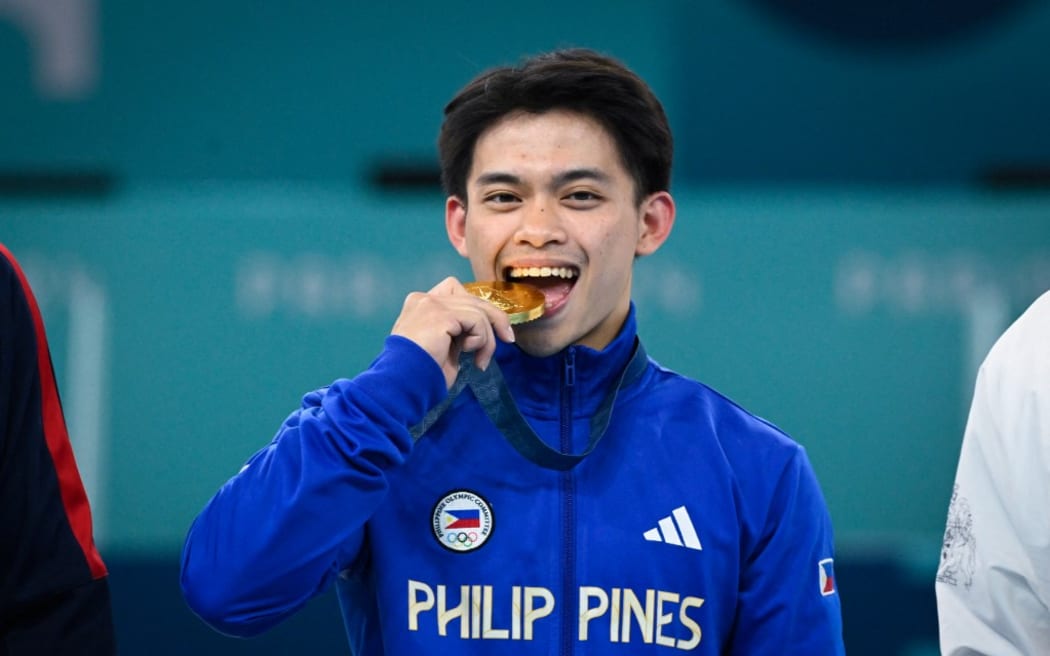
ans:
x=491 y=391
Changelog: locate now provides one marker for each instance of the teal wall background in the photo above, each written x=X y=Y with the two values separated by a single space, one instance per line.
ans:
x=852 y=318
x=191 y=189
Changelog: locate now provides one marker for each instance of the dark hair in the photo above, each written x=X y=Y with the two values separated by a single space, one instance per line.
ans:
x=577 y=80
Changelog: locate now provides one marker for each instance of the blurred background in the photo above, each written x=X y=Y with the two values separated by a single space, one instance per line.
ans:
x=222 y=205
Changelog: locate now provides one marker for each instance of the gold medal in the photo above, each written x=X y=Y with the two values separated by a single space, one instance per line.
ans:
x=521 y=302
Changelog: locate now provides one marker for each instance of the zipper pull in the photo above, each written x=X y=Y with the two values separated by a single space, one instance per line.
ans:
x=570 y=367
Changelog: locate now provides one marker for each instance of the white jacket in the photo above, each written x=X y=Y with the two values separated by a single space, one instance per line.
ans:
x=993 y=583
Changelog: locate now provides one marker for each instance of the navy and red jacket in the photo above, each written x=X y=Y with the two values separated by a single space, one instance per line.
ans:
x=54 y=594
x=690 y=525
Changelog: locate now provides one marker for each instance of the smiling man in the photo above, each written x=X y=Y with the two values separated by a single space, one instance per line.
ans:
x=541 y=488
x=550 y=202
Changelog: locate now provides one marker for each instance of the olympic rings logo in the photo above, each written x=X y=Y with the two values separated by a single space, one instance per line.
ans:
x=461 y=537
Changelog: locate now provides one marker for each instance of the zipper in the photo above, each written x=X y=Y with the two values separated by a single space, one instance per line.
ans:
x=568 y=614
x=570 y=377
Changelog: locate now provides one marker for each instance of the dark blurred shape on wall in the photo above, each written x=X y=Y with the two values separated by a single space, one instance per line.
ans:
x=892 y=24
x=870 y=92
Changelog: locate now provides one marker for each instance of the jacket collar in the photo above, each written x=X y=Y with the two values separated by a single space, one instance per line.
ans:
x=539 y=383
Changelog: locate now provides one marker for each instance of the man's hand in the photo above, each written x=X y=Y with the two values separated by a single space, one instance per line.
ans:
x=447 y=321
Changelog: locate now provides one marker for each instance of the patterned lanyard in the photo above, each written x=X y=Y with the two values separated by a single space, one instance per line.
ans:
x=491 y=391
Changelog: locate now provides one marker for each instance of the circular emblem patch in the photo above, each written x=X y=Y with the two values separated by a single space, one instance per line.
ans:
x=462 y=521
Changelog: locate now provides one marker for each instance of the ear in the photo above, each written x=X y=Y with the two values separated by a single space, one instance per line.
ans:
x=657 y=219
x=456 y=223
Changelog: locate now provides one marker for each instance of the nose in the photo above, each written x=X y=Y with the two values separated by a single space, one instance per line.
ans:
x=541 y=224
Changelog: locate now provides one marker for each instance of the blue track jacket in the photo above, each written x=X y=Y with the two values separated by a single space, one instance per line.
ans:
x=692 y=525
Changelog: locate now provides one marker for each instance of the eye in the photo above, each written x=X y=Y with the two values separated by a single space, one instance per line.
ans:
x=582 y=199
x=501 y=198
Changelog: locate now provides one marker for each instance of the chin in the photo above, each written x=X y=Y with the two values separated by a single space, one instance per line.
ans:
x=537 y=344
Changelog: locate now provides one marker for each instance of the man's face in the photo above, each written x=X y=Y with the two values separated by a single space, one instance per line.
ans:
x=550 y=203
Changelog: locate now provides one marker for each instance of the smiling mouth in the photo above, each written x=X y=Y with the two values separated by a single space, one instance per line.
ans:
x=555 y=282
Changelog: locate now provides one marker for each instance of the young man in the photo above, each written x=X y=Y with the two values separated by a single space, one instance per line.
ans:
x=993 y=583
x=565 y=493
x=54 y=593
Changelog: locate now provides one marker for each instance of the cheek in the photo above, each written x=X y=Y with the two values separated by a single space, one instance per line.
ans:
x=483 y=249
x=615 y=242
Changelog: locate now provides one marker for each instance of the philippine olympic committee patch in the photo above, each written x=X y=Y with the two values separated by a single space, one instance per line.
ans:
x=462 y=521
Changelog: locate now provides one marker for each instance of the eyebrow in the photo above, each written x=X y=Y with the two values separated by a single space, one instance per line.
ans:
x=559 y=180
x=497 y=177
x=572 y=175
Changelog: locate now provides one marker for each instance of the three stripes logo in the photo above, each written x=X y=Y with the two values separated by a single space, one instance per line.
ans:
x=676 y=529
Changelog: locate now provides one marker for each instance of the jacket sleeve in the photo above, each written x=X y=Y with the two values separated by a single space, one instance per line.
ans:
x=276 y=534
x=54 y=591
x=789 y=601
x=993 y=581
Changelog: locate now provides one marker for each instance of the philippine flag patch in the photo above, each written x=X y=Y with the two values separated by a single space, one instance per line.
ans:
x=462 y=521
x=827 y=576
x=463 y=518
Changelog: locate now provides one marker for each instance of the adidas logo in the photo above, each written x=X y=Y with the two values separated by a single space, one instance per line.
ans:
x=676 y=529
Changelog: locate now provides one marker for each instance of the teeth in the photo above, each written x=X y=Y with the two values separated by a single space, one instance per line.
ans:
x=542 y=272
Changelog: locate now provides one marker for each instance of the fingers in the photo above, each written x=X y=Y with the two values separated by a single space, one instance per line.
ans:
x=497 y=318
x=447 y=320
